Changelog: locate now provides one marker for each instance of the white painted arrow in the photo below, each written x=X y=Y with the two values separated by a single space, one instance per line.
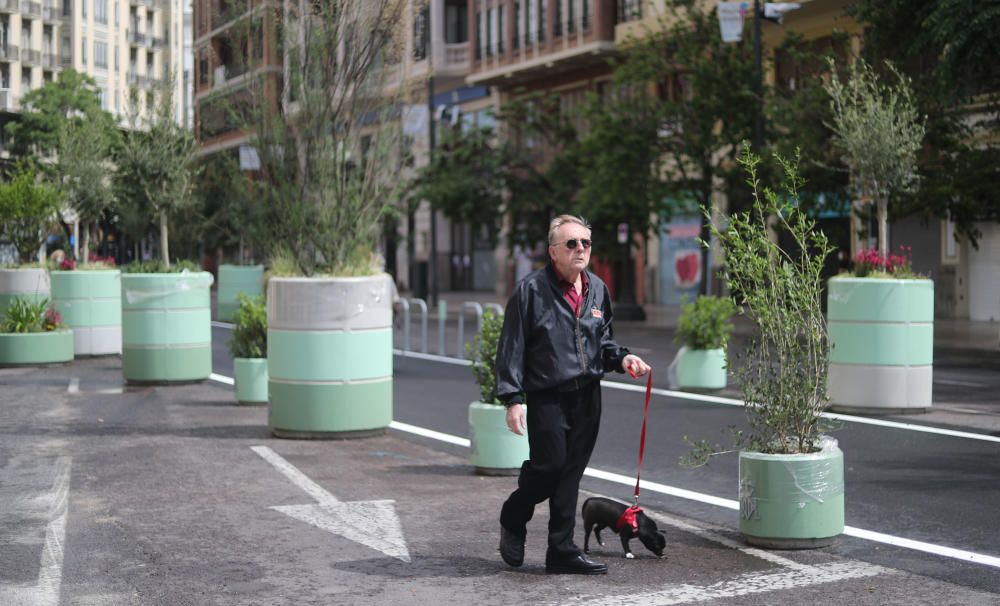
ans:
x=372 y=523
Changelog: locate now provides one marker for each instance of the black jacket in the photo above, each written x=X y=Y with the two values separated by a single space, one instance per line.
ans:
x=544 y=345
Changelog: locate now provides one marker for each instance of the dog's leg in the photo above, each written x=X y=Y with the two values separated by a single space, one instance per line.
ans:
x=625 y=541
x=586 y=537
x=597 y=534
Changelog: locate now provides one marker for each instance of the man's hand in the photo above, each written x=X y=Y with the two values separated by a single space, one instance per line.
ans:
x=633 y=365
x=515 y=419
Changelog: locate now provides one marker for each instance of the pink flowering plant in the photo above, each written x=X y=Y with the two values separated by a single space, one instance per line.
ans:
x=870 y=263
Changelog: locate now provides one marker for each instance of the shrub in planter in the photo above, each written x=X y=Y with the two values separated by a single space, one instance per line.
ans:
x=791 y=485
x=495 y=449
x=249 y=348
x=703 y=330
x=88 y=295
x=33 y=333
x=881 y=320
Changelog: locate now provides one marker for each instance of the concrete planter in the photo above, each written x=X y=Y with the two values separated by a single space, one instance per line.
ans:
x=882 y=344
x=91 y=304
x=250 y=375
x=31 y=282
x=792 y=501
x=33 y=348
x=496 y=451
x=329 y=356
x=702 y=369
x=234 y=279
x=166 y=327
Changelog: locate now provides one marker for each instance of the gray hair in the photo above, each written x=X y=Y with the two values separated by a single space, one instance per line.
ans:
x=561 y=220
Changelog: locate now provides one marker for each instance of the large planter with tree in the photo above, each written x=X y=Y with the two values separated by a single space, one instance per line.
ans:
x=166 y=327
x=89 y=297
x=249 y=348
x=495 y=449
x=882 y=319
x=233 y=280
x=703 y=329
x=315 y=392
x=791 y=485
x=324 y=196
x=32 y=283
x=32 y=334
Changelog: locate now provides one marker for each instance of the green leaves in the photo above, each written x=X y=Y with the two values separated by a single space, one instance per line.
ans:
x=249 y=338
x=25 y=315
x=705 y=323
x=483 y=350
x=27 y=209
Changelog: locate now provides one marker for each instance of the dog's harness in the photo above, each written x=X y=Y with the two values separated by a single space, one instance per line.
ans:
x=628 y=519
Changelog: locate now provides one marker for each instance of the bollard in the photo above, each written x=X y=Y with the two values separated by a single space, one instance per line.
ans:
x=442 y=317
x=406 y=323
x=476 y=307
x=422 y=306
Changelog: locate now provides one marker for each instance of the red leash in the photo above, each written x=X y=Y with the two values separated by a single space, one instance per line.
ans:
x=628 y=517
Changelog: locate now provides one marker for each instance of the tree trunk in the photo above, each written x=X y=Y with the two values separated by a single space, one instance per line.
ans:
x=883 y=227
x=164 y=250
x=84 y=244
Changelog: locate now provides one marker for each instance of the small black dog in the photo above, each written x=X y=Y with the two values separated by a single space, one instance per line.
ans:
x=600 y=513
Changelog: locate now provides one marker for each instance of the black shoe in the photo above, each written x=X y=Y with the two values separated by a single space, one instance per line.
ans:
x=574 y=564
x=511 y=548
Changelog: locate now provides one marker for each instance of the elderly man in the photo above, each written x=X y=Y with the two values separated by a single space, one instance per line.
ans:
x=556 y=344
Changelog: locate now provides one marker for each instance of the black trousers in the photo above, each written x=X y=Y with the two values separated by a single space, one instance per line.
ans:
x=562 y=431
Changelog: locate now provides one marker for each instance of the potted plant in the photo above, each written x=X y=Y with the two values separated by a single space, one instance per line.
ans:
x=791 y=486
x=703 y=330
x=495 y=449
x=32 y=332
x=249 y=348
x=236 y=280
x=89 y=297
x=325 y=193
x=881 y=318
x=166 y=307
x=27 y=210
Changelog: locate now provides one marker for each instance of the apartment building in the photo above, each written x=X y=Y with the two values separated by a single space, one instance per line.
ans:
x=121 y=44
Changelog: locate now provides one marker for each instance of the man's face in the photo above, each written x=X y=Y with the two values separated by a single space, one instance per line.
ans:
x=570 y=261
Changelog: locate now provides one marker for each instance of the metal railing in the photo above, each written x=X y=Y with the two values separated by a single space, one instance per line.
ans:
x=50 y=61
x=135 y=37
x=406 y=305
x=9 y=53
x=32 y=56
x=31 y=9
x=10 y=6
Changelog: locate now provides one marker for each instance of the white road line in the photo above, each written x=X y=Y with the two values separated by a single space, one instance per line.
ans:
x=746 y=584
x=317 y=492
x=222 y=324
x=74 y=385
x=221 y=379
x=878 y=537
x=959 y=383
x=683 y=395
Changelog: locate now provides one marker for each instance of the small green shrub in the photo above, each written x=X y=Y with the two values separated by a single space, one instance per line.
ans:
x=249 y=338
x=705 y=323
x=483 y=352
x=25 y=316
x=156 y=266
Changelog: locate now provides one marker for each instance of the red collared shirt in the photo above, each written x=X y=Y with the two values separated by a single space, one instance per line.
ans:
x=575 y=299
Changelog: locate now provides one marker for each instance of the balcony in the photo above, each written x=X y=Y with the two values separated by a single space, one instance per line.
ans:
x=9 y=53
x=6 y=100
x=158 y=43
x=31 y=9
x=136 y=38
x=50 y=14
x=31 y=57
x=66 y=60
x=10 y=6
x=134 y=79
x=50 y=61
x=456 y=57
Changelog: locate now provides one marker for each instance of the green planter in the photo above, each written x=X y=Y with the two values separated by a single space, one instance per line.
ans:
x=329 y=356
x=234 y=279
x=31 y=283
x=882 y=344
x=250 y=375
x=702 y=369
x=495 y=449
x=792 y=501
x=91 y=304
x=166 y=327
x=31 y=348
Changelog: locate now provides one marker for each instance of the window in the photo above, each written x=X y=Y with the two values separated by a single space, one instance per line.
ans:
x=103 y=95
x=491 y=34
x=421 y=33
x=101 y=54
x=502 y=33
x=67 y=6
x=100 y=11
x=25 y=79
x=518 y=25
x=83 y=3
x=117 y=64
x=66 y=49
x=116 y=13
x=456 y=22
x=83 y=50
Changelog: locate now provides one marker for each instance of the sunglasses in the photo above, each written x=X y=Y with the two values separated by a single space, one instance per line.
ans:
x=571 y=244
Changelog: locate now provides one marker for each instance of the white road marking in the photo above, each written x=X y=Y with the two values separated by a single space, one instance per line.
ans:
x=959 y=383
x=683 y=395
x=218 y=324
x=46 y=591
x=74 y=385
x=746 y=584
x=370 y=523
x=878 y=537
x=221 y=379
